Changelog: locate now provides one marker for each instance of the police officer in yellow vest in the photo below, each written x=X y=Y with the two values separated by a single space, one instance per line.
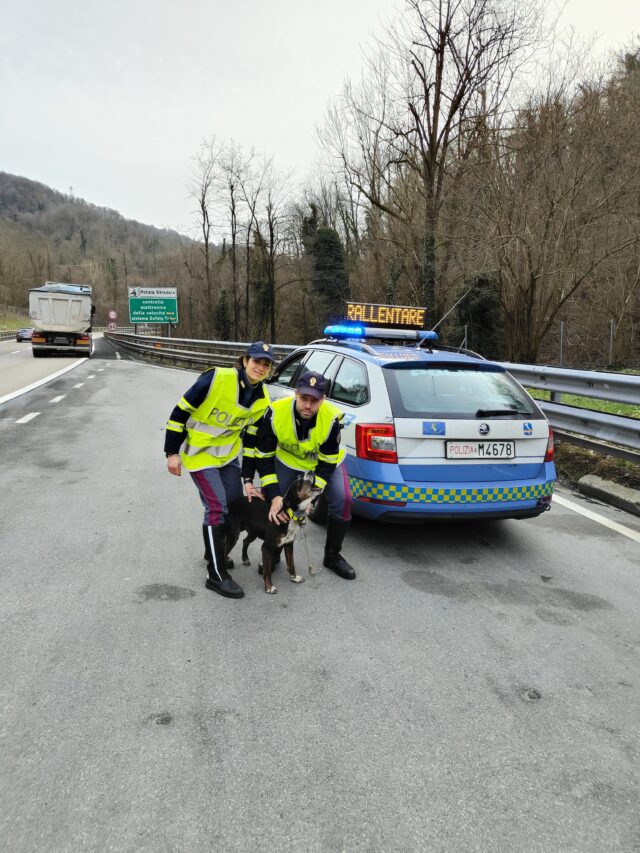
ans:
x=303 y=434
x=206 y=433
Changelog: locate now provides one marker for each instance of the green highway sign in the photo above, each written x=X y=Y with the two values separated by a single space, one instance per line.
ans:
x=153 y=304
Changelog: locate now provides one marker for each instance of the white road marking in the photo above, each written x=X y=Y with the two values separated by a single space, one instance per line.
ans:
x=117 y=355
x=93 y=376
x=594 y=516
x=79 y=385
x=14 y=352
x=27 y=418
x=40 y=382
x=100 y=369
x=57 y=399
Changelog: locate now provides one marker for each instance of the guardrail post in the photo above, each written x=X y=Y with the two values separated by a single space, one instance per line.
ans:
x=612 y=334
x=561 y=343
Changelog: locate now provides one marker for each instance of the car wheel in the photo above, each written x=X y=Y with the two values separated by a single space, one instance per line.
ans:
x=320 y=512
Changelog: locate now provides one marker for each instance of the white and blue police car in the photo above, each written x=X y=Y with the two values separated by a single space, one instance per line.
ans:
x=431 y=432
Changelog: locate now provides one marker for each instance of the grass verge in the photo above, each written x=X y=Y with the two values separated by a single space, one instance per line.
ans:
x=626 y=409
x=10 y=322
x=574 y=462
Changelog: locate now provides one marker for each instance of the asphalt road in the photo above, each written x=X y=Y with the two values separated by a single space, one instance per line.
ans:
x=476 y=688
x=18 y=367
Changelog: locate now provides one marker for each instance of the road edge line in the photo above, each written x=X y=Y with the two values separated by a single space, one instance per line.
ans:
x=41 y=382
x=594 y=516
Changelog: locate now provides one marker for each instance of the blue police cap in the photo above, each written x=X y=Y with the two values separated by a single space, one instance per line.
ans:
x=312 y=383
x=260 y=349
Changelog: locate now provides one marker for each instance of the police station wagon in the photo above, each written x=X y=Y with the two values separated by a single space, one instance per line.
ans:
x=430 y=432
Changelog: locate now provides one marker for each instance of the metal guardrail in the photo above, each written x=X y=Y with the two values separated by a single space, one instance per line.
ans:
x=605 y=433
x=189 y=352
x=600 y=426
x=617 y=387
x=587 y=427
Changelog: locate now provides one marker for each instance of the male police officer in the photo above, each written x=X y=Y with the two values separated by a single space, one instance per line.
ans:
x=303 y=434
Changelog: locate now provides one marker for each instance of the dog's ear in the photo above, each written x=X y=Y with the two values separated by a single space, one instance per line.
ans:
x=309 y=477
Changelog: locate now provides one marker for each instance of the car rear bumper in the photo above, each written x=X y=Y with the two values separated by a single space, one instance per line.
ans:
x=419 y=501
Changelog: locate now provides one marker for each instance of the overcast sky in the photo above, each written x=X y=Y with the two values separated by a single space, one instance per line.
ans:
x=113 y=98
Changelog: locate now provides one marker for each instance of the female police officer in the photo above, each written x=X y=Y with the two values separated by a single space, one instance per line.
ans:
x=210 y=423
x=303 y=434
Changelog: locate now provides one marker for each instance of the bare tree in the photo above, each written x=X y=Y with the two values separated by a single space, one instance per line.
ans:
x=250 y=181
x=206 y=173
x=444 y=67
x=555 y=209
x=271 y=233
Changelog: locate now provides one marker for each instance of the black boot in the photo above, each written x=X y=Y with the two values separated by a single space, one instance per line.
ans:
x=333 y=559
x=219 y=579
x=228 y=563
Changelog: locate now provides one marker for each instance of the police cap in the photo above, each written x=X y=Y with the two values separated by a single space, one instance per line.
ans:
x=260 y=349
x=312 y=383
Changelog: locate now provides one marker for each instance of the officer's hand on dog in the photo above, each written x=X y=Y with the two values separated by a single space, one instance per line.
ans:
x=174 y=464
x=275 y=512
x=252 y=492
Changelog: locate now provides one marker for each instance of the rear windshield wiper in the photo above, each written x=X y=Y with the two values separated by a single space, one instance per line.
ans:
x=490 y=413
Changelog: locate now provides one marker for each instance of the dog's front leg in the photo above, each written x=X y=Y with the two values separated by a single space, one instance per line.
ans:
x=267 y=558
x=294 y=577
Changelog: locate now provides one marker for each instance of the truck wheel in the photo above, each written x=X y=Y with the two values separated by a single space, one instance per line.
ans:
x=38 y=353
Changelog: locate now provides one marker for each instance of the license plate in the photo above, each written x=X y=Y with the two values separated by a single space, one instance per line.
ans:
x=480 y=449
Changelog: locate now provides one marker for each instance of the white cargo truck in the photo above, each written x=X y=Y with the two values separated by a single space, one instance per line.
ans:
x=61 y=315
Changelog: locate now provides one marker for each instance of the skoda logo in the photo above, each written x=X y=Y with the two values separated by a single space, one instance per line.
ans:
x=483 y=429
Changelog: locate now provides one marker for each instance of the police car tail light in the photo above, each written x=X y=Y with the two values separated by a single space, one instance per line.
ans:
x=548 y=457
x=376 y=442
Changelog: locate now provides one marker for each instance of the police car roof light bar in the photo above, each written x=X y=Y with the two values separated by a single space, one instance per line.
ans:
x=344 y=330
x=355 y=332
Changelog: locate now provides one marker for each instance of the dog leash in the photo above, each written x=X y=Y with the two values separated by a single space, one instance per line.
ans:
x=301 y=521
x=312 y=569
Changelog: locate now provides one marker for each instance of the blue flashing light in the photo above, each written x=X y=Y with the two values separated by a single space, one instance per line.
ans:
x=344 y=331
x=428 y=336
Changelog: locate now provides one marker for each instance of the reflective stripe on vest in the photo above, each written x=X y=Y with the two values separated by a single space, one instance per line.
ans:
x=303 y=455
x=214 y=428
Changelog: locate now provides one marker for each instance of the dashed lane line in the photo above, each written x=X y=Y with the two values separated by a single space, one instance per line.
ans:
x=27 y=418
x=40 y=382
x=594 y=516
x=78 y=385
x=58 y=398
x=93 y=376
x=15 y=352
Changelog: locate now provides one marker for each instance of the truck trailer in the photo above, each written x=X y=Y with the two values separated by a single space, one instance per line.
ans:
x=61 y=315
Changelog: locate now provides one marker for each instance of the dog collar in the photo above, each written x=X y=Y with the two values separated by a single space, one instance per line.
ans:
x=294 y=517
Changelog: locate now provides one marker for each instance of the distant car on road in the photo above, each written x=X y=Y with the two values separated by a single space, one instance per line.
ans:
x=24 y=335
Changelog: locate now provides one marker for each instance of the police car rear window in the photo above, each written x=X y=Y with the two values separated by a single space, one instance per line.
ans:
x=455 y=392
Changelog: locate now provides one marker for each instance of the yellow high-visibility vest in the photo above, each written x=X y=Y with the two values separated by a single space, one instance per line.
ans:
x=304 y=455
x=214 y=427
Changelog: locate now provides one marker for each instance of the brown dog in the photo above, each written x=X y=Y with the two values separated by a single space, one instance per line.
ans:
x=253 y=516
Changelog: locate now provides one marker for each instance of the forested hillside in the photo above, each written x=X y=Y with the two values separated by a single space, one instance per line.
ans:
x=46 y=235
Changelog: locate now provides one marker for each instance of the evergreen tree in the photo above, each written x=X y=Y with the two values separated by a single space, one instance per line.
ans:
x=222 y=317
x=329 y=276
